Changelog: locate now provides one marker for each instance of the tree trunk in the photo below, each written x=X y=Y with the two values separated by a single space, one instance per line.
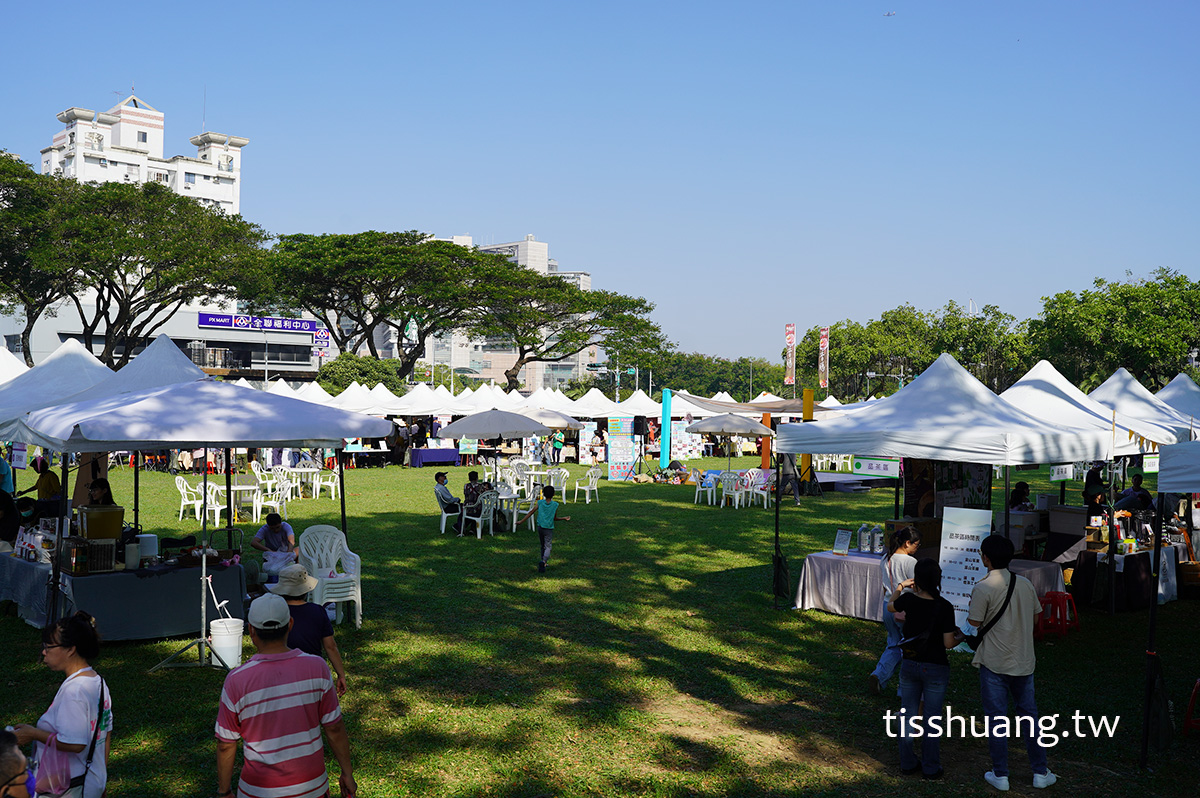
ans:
x=25 y=343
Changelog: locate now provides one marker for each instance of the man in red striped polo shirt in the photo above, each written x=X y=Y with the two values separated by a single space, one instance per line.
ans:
x=276 y=704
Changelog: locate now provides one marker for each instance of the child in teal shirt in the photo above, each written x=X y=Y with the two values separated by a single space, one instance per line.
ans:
x=546 y=509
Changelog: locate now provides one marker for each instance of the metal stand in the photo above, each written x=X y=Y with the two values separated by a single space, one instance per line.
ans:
x=200 y=642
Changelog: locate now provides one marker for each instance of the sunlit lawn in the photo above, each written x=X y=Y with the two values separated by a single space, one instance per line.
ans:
x=647 y=661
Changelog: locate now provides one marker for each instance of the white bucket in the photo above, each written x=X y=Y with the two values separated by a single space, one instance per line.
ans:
x=227 y=639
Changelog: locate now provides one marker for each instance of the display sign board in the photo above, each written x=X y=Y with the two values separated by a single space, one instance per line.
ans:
x=823 y=358
x=622 y=455
x=1061 y=473
x=1150 y=463
x=685 y=445
x=962 y=532
x=841 y=543
x=18 y=455
x=468 y=446
x=789 y=340
x=239 y=321
x=888 y=467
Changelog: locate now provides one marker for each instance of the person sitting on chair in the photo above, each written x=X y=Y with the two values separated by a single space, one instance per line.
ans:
x=275 y=535
x=1135 y=498
x=100 y=494
x=447 y=500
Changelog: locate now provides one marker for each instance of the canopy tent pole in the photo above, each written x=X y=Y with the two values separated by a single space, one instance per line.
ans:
x=64 y=528
x=137 y=471
x=1153 y=667
x=342 y=486
x=228 y=497
x=201 y=642
x=898 y=481
x=1007 y=493
x=778 y=501
x=1112 y=550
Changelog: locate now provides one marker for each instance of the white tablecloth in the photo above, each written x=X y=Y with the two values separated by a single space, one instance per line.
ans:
x=851 y=585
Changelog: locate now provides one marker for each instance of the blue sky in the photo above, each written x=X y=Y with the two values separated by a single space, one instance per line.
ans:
x=741 y=166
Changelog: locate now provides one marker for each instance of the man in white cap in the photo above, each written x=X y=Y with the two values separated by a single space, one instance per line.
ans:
x=276 y=704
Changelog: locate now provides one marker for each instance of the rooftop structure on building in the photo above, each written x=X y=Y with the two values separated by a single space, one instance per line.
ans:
x=125 y=144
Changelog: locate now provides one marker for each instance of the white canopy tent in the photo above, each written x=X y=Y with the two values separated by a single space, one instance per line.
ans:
x=766 y=396
x=1179 y=468
x=639 y=404
x=550 y=418
x=829 y=402
x=493 y=424
x=10 y=366
x=386 y=402
x=191 y=415
x=681 y=408
x=356 y=399
x=1046 y=394
x=69 y=370
x=1182 y=395
x=1123 y=393
x=242 y=382
x=594 y=404
x=313 y=392
x=722 y=396
x=280 y=387
x=946 y=414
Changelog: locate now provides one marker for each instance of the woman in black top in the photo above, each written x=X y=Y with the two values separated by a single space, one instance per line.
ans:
x=929 y=629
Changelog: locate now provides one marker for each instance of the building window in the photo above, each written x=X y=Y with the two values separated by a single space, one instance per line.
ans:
x=162 y=177
x=225 y=163
x=189 y=177
x=94 y=141
x=142 y=138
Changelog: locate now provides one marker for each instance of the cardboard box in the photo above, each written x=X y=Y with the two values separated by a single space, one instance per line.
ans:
x=1068 y=520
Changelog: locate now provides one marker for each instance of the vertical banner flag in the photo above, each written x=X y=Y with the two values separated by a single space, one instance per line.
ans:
x=823 y=358
x=665 y=431
x=789 y=337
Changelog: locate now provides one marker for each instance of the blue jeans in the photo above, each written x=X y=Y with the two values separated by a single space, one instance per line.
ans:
x=889 y=660
x=921 y=681
x=994 y=689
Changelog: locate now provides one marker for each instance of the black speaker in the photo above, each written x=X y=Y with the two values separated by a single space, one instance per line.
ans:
x=639 y=425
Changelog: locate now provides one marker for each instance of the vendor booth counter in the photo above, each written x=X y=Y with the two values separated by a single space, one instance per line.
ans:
x=851 y=584
x=142 y=604
x=424 y=457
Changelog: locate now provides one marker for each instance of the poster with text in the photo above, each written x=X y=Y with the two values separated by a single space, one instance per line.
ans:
x=962 y=532
x=622 y=456
x=19 y=456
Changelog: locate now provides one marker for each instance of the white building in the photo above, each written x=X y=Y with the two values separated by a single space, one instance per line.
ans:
x=488 y=359
x=125 y=143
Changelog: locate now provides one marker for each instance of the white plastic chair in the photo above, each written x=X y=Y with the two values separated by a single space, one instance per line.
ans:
x=589 y=484
x=521 y=470
x=188 y=497
x=329 y=480
x=486 y=506
x=731 y=487
x=265 y=481
x=276 y=499
x=282 y=477
x=756 y=488
x=704 y=485
x=445 y=514
x=557 y=479
x=321 y=549
x=216 y=504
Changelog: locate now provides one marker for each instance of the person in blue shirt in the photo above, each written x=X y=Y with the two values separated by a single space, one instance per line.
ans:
x=546 y=510
x=6 y=475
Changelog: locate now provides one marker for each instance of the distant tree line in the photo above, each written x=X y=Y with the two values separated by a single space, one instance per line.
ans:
x=126 y=257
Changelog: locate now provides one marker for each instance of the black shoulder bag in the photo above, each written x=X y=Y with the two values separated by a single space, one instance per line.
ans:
x=78 y=780
x=974 y=640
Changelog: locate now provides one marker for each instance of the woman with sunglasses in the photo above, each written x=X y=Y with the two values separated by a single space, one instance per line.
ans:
x=82 y=709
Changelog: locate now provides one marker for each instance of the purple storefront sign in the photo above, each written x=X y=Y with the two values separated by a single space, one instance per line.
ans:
x=238 y=321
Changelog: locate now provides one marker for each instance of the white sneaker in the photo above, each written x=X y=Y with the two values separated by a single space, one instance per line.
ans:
x=1043 y=780
x=999 y=782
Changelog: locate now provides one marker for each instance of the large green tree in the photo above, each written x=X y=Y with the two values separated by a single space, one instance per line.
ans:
x=362 y=283
x=548 y=319
x=144 y=252
x=33 y=281
x=1146 y=325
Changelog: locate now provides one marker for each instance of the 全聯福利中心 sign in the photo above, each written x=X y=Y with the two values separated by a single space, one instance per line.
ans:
x=240 y=321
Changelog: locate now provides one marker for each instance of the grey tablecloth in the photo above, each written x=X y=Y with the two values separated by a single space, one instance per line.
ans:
x=851 y=585
x=128 y=605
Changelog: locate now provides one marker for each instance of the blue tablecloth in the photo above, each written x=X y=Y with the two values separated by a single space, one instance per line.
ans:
x=421 y=457
x=141 y=604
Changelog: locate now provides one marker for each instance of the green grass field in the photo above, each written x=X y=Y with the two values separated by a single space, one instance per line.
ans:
x=647 y=661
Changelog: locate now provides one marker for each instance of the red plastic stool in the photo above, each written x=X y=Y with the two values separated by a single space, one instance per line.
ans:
x=1189 y=720
x=1058 y=614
